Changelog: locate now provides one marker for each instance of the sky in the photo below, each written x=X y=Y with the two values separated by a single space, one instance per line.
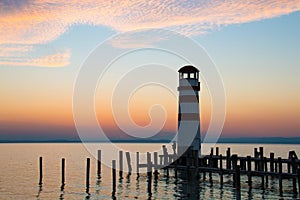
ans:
x=254 y=44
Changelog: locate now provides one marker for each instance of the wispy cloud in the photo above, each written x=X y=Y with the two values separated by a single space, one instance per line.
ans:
x=41 y=21
x=59 y=59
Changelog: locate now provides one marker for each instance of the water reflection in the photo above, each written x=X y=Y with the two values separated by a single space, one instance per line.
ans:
x=187 y=186
x=62 y=192
x=39 y=191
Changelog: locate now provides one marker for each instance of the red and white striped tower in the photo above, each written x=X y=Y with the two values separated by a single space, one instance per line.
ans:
x=188 y=114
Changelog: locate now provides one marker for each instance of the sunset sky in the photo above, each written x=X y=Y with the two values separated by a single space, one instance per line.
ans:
x=255 y=45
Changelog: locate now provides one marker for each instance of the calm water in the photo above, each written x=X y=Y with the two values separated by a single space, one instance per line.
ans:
x=19 y=175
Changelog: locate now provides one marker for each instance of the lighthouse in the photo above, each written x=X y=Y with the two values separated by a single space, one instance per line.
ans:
x=188 y=135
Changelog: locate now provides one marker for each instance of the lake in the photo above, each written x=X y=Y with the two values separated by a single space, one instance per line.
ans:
x=19 y=174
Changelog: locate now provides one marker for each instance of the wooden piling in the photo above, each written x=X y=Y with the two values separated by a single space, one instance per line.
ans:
x=87 y=172
x=165 y=153
x=121 y=164
x=261 y=156
x=234 y=166
x=228 y=160
x=128 y=162
x=294 y=171
x=149 y=175
x=266 y=170
x=138 y=164
x=41 y=170
x=155 y=165
x=238 y=182
x=221 y=170
x=255 y=156
x=272 y=162
x=99 y=163
x=114 y=176
x=280 y=175
x=62 y=171
x=298 y=175
x=249 y=171
x=149 y=165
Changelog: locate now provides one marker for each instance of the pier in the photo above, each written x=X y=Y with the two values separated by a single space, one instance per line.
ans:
x=266 y=168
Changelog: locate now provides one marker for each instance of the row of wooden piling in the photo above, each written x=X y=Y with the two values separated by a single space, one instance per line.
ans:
x=214 y=163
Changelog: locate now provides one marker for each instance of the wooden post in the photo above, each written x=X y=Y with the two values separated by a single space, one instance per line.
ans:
x=234 y=166
x=280 y=176
x=165 y=152
x=266 y=170
x=261 y=156
x=138 y=164
x=155 y=165
x=294 y=171
x=114 y=175
x=62 y=171
x=128 y=162
x=121 y=164
x=99 y=163
x=272 y=162
x=238 y=181
x=228 y=160
x=255 y=156
x=41 y=170
x=221 y=170
x=249 y=170
x=210 y=164
x=87 y=172
x=288 y=164
x=149 y=165
x=298 y=175
x=217 y=151
x=149 y=173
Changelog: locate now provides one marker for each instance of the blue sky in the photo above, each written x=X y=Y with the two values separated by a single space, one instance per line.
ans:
x=255 y=46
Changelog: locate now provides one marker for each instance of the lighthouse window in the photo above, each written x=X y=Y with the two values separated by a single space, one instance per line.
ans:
x=185 y=75
x=192 y=76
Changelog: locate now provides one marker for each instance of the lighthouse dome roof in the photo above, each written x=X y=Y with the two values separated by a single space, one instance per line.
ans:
x=188 y=69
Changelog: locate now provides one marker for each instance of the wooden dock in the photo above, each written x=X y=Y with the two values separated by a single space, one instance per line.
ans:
x=232 y=165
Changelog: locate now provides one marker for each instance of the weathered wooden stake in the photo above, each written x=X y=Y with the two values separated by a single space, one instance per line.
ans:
x=221 y=170
x=128 y=162
x=149 y=173
x=121 y=164
x=261 y=156
x=255 y=156
x=138 y=164
x=87 y=172
x=294 y=171
x=249 y=171
x=280 y=176
x=114 y=176
x=63 y=171
x=234 y=166
x=165 y=152
x=272 y=162
x=99 y=163
x=155 y=165
x=149 y=166
x=228 y=160
x=41 y=170
x=238 y=181
x=298 y=174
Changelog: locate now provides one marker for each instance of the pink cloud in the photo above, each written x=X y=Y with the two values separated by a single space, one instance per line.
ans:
x=59 y=59
x=42 y=21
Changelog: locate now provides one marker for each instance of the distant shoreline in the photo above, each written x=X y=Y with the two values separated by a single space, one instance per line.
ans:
x=269 y=140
